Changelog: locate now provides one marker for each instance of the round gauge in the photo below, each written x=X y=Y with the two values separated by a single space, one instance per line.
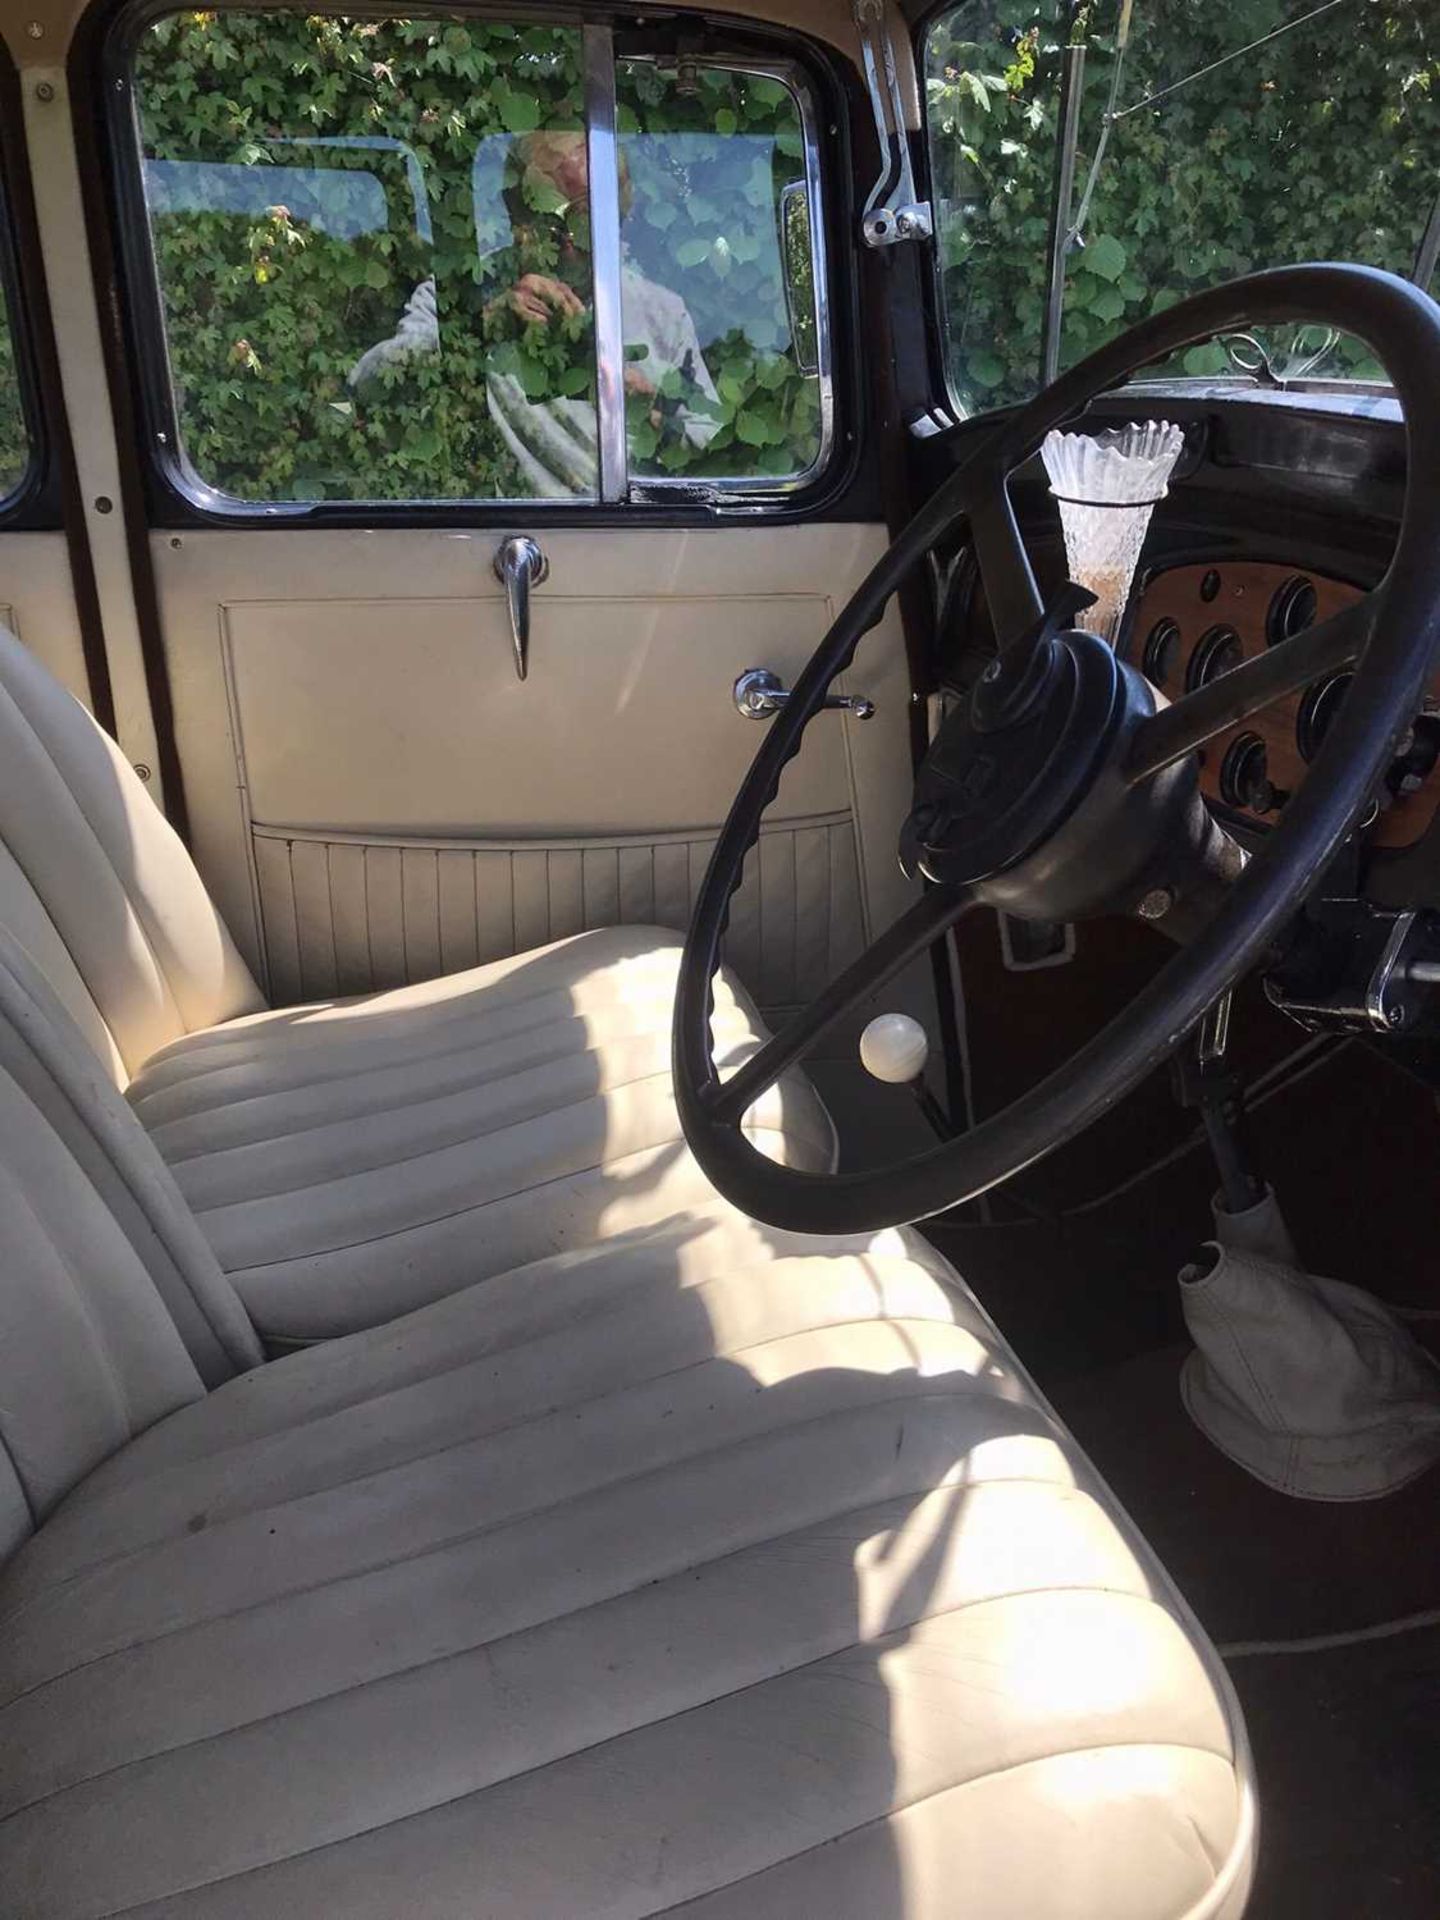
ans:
x=1161 y=645
x=1216 y=652
x=1245 y=774
x=1317 y=710
x=1291 y=611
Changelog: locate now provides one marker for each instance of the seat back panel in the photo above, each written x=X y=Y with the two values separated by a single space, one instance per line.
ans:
x=89 y=1356
x=24 y=915
x=67 y=1091
x=108 y=872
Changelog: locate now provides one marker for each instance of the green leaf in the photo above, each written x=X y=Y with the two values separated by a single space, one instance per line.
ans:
x=1208 y=358
x=1106 y=303
x=644 y=437
x=1104 y=256
x=519 y=112
x=752 y=427
x=986 y=369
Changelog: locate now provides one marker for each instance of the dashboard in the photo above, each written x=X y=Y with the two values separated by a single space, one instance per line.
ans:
x=1283 y=511
x=1191 y=624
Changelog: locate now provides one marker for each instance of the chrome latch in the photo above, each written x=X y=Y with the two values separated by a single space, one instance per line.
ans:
x=892 y=212
x=519 y=566
x=1350 y=967
x=759 y=693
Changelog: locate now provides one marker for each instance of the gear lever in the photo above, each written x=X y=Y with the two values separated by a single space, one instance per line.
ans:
x=894 y=1049
x=1203 y=1081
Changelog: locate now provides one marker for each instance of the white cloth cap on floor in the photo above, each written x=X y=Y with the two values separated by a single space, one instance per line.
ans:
x=1311 y=1385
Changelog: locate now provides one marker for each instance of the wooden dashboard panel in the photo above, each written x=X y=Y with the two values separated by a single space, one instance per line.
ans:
x=1206 y=604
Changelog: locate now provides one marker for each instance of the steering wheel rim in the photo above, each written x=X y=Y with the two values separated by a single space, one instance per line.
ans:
x=1390 y=636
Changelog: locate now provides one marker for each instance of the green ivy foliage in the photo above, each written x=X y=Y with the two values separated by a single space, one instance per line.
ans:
x=14 y=446
x=1320 y=145
x=269 y=305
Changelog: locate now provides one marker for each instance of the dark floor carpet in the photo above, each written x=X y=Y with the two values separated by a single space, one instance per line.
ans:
x=1253 y=1563
x=1347 y=1754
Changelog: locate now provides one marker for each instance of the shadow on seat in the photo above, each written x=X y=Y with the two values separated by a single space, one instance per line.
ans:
x=595 y=1591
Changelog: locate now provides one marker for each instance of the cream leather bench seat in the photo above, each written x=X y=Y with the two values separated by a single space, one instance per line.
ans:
x=353 y=1160
x=706 y=1569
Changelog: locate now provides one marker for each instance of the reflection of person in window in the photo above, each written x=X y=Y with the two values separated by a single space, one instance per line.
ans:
x=553 y=439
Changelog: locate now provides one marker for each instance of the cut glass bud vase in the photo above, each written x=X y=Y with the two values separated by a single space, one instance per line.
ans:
x=1107 y=485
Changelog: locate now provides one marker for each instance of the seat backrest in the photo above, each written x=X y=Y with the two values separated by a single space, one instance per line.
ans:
x=88 y=1355
x=113 y=1309
x=96 y=885
x=44 y=1053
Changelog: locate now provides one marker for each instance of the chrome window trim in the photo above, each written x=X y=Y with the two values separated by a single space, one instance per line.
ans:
x=603 y=169
x=730 y=494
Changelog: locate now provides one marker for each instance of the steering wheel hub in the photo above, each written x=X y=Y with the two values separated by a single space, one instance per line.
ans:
x=994 y=786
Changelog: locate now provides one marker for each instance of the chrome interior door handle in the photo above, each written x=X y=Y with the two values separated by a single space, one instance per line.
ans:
x=759 y=692
x=519 y=566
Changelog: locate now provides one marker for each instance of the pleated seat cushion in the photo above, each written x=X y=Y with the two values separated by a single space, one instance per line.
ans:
x=700 y=1571
x=352 y=1160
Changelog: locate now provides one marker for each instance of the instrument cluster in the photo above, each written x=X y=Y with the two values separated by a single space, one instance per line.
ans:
x=1192 y=624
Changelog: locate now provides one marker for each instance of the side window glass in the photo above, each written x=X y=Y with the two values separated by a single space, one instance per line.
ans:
x=725 y=367
x=372 y=251
x=15 y=447
x=990 y=98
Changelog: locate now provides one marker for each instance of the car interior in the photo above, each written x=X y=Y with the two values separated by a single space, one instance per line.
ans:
x=719 y=960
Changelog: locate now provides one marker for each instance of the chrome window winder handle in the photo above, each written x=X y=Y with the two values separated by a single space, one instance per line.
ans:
x=519 y=566
x=759 y=693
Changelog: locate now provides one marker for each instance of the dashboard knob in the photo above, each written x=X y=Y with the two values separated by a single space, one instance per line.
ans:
x=894 y=1048
x=1245 y=775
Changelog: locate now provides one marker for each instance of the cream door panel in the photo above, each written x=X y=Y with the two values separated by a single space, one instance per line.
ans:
x=407 y=715
x=375 y=796
x=38 y=604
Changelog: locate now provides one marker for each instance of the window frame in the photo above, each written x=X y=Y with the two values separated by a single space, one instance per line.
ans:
x=180 y=495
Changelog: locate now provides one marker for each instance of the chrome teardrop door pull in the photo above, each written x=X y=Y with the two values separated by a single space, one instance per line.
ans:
x=519 y=566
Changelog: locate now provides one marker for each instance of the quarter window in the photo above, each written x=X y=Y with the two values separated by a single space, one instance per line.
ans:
x=372 y=243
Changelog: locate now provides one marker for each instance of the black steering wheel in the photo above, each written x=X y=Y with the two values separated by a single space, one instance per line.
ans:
x=1064 y=789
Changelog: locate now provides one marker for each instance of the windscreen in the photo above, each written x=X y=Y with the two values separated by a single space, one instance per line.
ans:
x=1212 y=140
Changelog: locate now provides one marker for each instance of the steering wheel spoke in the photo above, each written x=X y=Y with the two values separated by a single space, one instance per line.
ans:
x=1010 y=590
x=918 y=928
x=1179 y=729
